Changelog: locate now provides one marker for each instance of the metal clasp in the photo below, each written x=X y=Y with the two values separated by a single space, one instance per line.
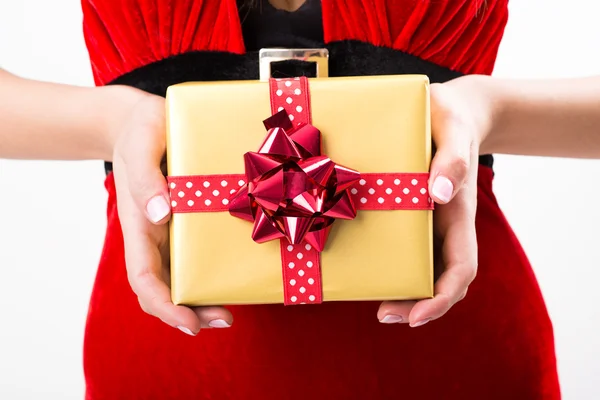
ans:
x=318 y=56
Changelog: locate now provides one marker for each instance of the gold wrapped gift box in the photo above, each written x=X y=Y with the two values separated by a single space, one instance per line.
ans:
x=374 y=124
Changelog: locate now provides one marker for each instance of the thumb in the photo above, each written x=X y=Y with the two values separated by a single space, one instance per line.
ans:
x=452 y=160
x=142 y=152
x=449 y=169
x=150 y=192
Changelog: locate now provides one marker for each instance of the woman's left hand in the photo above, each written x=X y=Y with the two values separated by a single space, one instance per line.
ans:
x=460 y=118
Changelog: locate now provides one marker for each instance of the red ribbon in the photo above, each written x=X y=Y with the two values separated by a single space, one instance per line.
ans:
x=293 y=193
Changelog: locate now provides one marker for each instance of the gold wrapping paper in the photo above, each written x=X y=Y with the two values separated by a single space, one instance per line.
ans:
x=371 y=124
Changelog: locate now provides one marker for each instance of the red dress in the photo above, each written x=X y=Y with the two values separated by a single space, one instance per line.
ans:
x=496 y=344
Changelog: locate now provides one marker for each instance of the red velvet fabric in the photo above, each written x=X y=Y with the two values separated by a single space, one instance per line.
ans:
x=122 y=35
x=496 y=344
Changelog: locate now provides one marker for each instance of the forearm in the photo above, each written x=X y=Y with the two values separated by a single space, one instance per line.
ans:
x=558 y=118
x=40 y=120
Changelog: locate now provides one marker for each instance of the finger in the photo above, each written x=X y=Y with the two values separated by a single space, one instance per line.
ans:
x=142 y=150
x=214 y=317
x=454 y=146
x=450 y=289
x=393 y=312
x=144 y=266
x=460 y=257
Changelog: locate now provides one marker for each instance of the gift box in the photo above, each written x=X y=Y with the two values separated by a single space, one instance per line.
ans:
x=300 y=190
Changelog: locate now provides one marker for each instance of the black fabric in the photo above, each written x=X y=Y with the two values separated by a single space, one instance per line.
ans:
x=264 y=26
x=346 y=58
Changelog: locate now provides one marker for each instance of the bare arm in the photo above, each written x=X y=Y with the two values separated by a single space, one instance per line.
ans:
x=54 y=121
x=476 y=115
x=42 y=120
x=557 y=118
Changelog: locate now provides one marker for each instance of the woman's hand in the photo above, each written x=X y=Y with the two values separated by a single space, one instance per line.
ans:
x=460 y=119
x=143 y=206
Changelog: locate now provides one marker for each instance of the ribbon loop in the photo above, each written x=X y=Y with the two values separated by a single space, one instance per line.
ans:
x=293 y=191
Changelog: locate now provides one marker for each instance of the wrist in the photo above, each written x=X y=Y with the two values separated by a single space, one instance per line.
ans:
x=490 y=113
x=117 y=104
x=485 y=109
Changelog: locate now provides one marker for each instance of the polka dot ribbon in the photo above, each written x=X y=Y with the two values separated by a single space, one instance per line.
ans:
x=212 y=193
x=301 y=266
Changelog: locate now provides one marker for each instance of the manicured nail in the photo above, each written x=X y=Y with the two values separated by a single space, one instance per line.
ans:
x=158 y=208
x=423 y=322
x=442 y=188
x=391 y=319
x=218 y=323
x=185 y=330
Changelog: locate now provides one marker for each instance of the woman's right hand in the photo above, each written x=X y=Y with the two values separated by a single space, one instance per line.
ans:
x=144 y=212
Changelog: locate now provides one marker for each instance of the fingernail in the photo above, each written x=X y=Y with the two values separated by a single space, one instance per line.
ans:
x=157 y=208
x=423 y=322
x=185 y=330
x=442 y=188
x=391 y=319
x=218 y=323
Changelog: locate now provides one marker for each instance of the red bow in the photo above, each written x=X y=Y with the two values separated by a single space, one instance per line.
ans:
x=292 y=190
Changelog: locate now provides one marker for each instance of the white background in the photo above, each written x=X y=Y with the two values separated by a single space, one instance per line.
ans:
x=52 y=213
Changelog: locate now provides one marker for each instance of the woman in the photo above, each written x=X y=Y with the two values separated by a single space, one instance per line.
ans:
x=496 y=343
